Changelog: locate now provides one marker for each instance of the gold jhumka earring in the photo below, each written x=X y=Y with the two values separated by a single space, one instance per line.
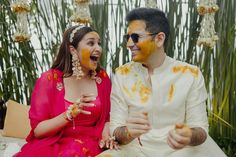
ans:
x=76 y=68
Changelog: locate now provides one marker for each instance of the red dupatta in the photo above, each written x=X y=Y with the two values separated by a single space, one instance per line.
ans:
x=47 y=101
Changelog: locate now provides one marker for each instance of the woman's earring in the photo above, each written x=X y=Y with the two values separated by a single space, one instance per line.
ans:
x=76 y=68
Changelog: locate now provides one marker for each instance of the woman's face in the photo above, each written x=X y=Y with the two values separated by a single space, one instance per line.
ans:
x=89 y=51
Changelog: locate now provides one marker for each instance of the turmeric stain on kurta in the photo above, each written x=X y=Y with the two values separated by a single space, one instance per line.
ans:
x=123 y=70
x=135 y=86
x=127 y=91
x=144 y=93
x=184 y=69
x=171 y=92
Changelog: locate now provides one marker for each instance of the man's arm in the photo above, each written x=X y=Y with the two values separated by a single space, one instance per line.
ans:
x=182 y=136
x=137 y=124
x=198 y=136
x=122 y=135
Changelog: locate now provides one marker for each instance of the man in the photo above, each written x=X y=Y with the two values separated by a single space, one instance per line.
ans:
x=157 y=103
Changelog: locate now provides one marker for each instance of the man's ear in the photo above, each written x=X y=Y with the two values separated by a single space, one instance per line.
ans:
x=72 y=49
x=160 y=39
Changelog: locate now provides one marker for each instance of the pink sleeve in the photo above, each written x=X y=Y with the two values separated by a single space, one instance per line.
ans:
x=107 y=85
x=40 y=100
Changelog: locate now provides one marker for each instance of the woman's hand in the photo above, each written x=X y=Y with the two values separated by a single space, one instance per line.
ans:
x=78 y=107
x=107 y=141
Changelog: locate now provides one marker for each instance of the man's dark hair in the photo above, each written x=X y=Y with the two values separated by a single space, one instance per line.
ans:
x=155 y=20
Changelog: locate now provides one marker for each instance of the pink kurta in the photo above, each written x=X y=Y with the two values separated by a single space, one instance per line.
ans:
x=80 y=137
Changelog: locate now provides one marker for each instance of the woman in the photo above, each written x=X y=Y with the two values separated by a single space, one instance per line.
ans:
x=70 y=103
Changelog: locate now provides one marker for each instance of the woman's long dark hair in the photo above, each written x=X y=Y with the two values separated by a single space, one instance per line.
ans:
x=63 y=61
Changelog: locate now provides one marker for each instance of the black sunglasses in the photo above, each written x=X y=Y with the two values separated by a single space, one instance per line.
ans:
x=135 y=37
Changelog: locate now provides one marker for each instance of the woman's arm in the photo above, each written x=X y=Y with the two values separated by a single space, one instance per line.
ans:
x=50 y=127
x=42 y=101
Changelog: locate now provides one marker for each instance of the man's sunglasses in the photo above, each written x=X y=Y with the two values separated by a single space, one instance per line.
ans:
x=135 y=37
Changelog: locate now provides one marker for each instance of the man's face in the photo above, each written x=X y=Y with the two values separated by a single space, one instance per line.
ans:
x=139 y=41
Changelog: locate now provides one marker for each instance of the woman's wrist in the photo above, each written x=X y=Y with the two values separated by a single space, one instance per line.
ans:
x=66 y=117
x=71 y=112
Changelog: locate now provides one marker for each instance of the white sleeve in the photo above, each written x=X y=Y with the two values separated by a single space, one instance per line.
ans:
x=119 y=107
x=196 y=115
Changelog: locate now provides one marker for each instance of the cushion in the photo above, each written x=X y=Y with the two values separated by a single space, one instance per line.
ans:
x=16 y=121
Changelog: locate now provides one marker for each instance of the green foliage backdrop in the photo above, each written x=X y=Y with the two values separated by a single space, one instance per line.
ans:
x=22 y=63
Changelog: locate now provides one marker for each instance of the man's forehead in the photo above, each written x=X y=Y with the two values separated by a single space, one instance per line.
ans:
x=136 y=25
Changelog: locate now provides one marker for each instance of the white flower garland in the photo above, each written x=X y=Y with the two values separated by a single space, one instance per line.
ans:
x=21 y=8
x=151 y=3
x=207 y=9
x=82 y=13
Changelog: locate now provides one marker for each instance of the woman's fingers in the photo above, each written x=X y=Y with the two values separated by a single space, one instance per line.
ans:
x=81 y=105
x=87 y=98
x=109 y=143
x=85 y=112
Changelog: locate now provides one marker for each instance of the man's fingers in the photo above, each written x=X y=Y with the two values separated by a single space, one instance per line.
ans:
x=143 y=115
x=179 y=125
x=176 y=140
x=138 y=126
x=138 y=121
x=185 y=131
x=173 y=143
x=180 y=139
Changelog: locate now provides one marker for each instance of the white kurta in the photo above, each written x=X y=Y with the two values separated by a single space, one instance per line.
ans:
x=176 y=94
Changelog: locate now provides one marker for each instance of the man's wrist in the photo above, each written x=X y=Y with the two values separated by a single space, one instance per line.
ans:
x=199 y=136
x=123 y=135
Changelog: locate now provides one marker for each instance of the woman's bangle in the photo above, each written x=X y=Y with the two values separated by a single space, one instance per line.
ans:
x=65 y=117
x=72 y=111
x=68 y=113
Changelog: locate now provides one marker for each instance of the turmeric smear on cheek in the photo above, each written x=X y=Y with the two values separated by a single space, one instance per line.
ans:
x=85 y=61
x=147 y=47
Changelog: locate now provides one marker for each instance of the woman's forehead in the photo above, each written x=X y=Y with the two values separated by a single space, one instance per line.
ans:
x=92 y=35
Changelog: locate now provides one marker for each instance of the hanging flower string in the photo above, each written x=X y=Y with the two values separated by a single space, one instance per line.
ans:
x=82 y=14
x=151 y=3
x=207 y=9
x=21 y=8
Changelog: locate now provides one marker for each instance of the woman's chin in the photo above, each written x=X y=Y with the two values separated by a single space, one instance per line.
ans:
x=93 y=67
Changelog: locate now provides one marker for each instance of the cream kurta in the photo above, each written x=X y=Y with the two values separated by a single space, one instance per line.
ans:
x=176 y=94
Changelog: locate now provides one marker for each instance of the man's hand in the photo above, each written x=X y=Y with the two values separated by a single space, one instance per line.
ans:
x=180 y=136
x=138 y=124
